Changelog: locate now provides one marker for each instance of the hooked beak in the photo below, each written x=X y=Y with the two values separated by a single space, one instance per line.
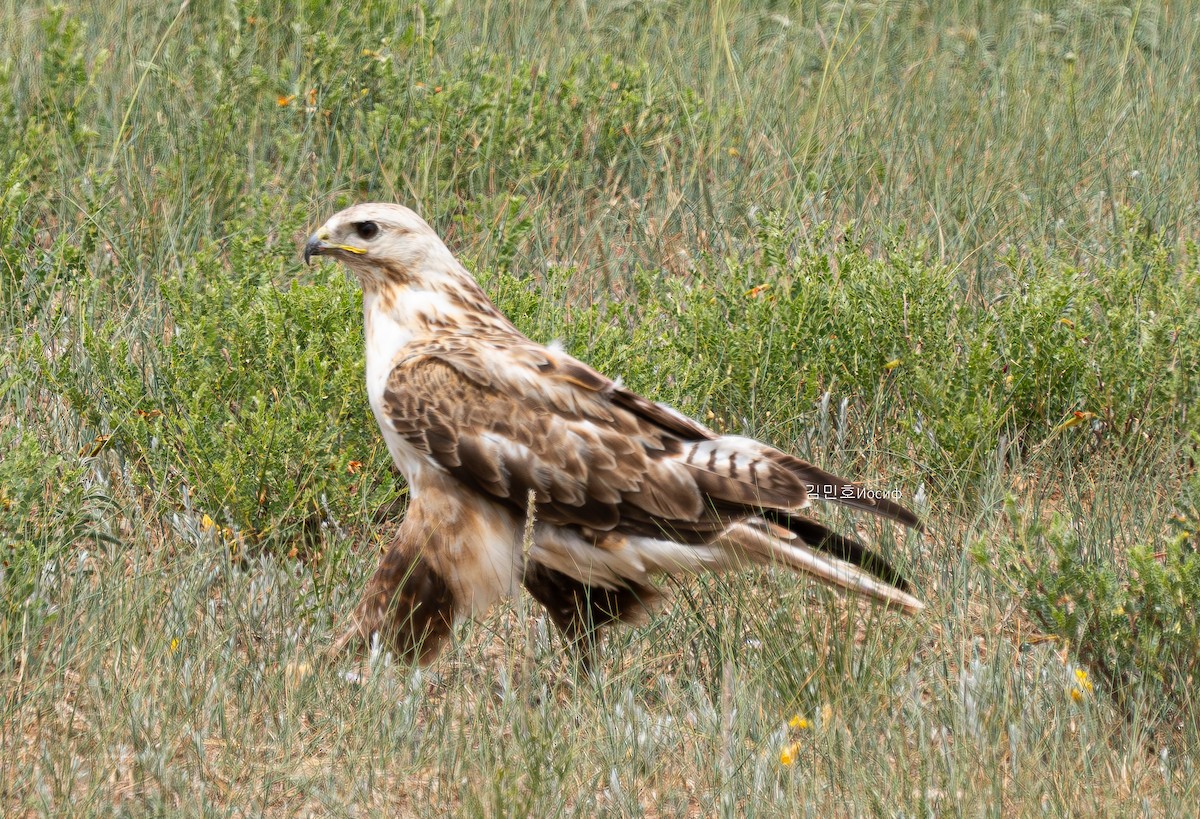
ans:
x=316 y=246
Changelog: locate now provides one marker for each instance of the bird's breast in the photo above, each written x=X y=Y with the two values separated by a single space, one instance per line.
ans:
x=386 y=342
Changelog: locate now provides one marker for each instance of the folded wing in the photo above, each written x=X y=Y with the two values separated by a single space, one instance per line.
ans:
x=508 y=421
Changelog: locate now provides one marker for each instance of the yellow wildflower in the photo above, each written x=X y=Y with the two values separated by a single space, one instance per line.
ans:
x=1075 y=419
x=788 y=755
x=800 y=723
x=174 y=644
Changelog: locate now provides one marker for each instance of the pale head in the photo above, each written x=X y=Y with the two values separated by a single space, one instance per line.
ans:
x=382 y=244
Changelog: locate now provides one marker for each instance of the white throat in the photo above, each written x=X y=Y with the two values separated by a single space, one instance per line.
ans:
x=385 y=339
x=389 y=333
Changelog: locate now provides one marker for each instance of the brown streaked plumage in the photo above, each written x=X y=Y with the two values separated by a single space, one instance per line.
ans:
x=483 y=422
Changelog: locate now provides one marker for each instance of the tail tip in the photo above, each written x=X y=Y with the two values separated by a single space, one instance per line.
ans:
x=906 y=603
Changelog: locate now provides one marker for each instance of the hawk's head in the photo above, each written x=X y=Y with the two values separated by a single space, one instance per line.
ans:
x=381 y=243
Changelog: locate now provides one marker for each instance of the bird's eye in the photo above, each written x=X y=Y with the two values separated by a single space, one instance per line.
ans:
x=366 y=230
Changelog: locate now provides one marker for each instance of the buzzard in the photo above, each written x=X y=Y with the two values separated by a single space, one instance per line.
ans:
x=527 y=467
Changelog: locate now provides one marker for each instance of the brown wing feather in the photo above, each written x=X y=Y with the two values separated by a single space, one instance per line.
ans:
x=583 y=470
x=509 y=419
x=841 y=490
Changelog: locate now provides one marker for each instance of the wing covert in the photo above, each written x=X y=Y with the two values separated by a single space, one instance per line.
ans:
x=508 y=419
x=588 y=464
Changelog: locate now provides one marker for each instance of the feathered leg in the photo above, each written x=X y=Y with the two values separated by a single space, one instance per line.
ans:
x=580 y=611
x=407 y=603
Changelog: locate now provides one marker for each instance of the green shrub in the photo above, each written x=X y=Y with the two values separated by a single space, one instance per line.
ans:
x=794 y=319
x=253 y=405
x=1130 y=619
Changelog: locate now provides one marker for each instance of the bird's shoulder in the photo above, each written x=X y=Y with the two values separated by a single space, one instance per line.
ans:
x=513 y=374
x=509 y=417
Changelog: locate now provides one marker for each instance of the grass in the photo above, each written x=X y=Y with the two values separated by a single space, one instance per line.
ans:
x=948 y=247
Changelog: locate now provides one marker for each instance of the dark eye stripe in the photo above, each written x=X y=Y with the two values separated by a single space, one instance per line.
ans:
x=366 y=230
